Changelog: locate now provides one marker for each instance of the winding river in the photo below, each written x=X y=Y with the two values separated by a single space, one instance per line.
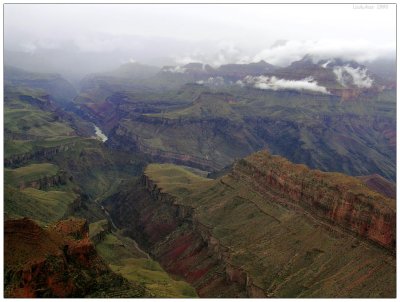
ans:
x=101 y=136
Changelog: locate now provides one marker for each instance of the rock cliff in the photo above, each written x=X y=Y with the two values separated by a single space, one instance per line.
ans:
x=342 y=200
x=46 y=182
x=58 y=261
x=251 y=232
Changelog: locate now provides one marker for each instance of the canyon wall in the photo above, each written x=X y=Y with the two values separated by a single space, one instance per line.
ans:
x=250 y=232
x=339 y=199
x=64 y=262
x=46 y=182
x=39 y=154
x=191 y=250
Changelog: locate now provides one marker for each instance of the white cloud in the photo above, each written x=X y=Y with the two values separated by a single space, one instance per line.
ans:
x=324 y=65
x=283 y=52
x=358 y=76
x=273 y=83
x=213 y=81
x=196 y=57
x=174 y=69
x=224 y=52
x=360 y=50
x=28 y=47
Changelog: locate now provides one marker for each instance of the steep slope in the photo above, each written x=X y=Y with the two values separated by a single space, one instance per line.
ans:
x=356 y=138
x=348 y=80
x=40 y=134
x=55 y=168
x=216 y=128
x=59 y=261
x=97 y=87
x=124 y=257
x=61 y=90
x=238 y=71
x=380 y=184
x=207 y=135
x=269 y=228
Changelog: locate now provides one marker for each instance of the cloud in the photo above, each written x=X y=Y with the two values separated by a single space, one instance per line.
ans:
x=223 y=53
x=193 y=58
x=174 y=69
x=28 y=47
x=285 y=52
x=213 y=81
x=273 y=83
x=358 y=76
x=324 y=65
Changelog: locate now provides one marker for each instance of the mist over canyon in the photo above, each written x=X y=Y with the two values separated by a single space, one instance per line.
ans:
x=180 y=151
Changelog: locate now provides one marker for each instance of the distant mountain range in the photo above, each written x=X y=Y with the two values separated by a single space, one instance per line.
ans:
x=346 y=79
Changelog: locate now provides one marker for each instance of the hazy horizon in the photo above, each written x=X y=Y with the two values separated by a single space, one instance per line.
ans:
x=86 y=38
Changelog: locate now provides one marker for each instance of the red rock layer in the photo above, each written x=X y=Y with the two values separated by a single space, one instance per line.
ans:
x=48 y=262
x=339 y=199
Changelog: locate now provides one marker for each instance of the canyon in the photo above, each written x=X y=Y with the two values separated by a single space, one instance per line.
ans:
x=149 y=182
x=211 y=231
x=64 y=264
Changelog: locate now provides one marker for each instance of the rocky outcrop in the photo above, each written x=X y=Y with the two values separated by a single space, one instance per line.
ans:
x=191 y=250
x=46 y=182
x=60 y=89
x=379 y=184
x=103 y=228
x=325 y=133
x=251 y=232
x=332 y=140
x=59 y=261
x=38 y=154
x=339 y=199
x=122 y=138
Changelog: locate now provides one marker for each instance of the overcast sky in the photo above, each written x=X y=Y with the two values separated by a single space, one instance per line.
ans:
x=215 y=34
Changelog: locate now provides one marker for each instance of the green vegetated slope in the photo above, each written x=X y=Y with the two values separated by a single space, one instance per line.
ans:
x=355 y=137
x=35 y=186
x=207 y=105
x=208 y=134
x=34 y=124
x=59 y=88
x=41 y=133
x=54 y=169
x=42 y=206
x=124 y=258
x=64 y=263
x=40 y=191
x=285 y=250
x=30 y=112
x=30 y=173
x=46 y=149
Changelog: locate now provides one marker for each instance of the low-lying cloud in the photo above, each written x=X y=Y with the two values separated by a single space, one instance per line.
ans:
x=282 y=52
x=174 y=69
x=285 y=52
x=223 y=53
x=273 y=83
x=212 y=81
x=347 y=75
